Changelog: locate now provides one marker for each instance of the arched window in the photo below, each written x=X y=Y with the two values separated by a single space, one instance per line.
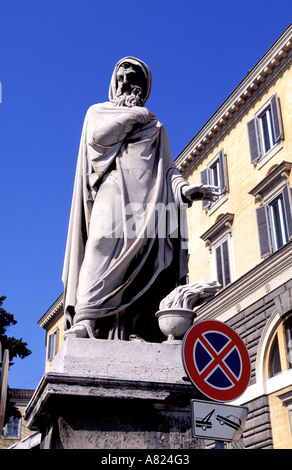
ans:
x=288 y=338
x=274 y=359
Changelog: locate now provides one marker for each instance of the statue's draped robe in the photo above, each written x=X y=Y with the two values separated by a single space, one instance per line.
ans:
x=123 y=229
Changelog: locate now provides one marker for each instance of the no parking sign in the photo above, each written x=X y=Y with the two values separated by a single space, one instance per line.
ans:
x=216 y=360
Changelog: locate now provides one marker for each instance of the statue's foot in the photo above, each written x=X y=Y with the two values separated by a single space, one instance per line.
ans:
x=136 y=338
x=82 y=329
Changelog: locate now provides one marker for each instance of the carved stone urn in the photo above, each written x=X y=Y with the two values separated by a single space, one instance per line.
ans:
x=175 y=314
x=174 y=322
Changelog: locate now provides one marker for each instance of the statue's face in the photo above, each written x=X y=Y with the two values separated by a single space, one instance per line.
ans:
x=127 y=78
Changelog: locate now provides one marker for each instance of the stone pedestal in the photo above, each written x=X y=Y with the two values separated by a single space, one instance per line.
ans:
x=114 y=395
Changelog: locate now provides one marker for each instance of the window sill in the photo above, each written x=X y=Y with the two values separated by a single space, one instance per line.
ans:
x=217 y=204
x=265 y=158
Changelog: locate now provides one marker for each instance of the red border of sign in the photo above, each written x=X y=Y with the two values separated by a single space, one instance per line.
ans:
x=188 y=360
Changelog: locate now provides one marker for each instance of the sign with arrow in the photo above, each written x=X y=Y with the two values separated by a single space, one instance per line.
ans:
x=211 y=420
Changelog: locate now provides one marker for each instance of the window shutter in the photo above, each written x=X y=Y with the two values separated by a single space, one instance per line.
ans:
x=226 y=264
x=205 y=180
x=222 y=172
x=263 y=230
x=288 y=209
x=50 y=348
x=254 y=148
x=219 y=265
x=275 y=108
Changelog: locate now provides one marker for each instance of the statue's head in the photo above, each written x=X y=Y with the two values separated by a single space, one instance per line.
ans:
x=130 y=83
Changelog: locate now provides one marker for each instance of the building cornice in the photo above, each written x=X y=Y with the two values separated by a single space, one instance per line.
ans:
x=282 y=171
x=274 y=59
x=224 y=223
x=52 y=312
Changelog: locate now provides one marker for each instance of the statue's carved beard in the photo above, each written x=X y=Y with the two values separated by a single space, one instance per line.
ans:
x=132 y=96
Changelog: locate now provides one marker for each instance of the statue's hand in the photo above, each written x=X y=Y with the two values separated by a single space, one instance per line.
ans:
x=197 y=192
x=190 y=295
x=116 y=123
x=137 y=114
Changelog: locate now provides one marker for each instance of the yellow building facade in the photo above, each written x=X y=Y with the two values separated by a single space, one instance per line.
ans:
x=241 y=177
x=52 y=322
x=15 y=430
x=244 y=240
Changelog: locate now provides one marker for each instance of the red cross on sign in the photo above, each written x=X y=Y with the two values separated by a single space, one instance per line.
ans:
x=216 y=360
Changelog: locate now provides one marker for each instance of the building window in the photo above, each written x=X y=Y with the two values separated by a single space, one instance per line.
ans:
x=288 y=338
x=284 y=335
x=280 y=355
x=222 y=263
x=274 y=360
x=218 y=239
x=286 y=399
x=265 y=130
x=279 y=228
x=215 y=174
x=12 y=428
x=52 y=345
x=274 y=220
x=290 y=417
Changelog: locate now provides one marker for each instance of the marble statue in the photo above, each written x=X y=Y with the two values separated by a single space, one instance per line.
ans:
x=126 y=239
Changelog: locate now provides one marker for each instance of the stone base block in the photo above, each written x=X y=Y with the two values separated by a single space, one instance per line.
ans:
x=114 y=395
x=138 y=360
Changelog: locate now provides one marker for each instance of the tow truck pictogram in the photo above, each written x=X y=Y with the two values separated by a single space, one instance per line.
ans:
x=205 y=423
x=229 y=420
x=217 y=421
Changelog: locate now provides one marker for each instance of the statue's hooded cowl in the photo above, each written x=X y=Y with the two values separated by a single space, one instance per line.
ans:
x=123 y=232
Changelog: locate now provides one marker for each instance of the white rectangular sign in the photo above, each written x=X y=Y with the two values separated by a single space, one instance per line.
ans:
x=212 y=420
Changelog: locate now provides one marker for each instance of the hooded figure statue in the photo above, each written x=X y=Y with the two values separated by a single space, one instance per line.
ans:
x=127 y=231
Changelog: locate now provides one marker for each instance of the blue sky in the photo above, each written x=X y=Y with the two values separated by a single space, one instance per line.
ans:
x=56 y=59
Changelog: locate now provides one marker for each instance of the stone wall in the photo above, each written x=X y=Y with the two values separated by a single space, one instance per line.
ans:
x=258 y=430
x=249 y=324
x=123 y=424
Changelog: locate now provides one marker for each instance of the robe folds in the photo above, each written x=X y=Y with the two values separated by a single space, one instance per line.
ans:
x=127 y=221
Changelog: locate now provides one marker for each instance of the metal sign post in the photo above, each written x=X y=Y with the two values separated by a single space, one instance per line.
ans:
x=3 y=387
x=219 y=444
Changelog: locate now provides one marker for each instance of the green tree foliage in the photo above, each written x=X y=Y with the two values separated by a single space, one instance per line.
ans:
x=16 y=347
